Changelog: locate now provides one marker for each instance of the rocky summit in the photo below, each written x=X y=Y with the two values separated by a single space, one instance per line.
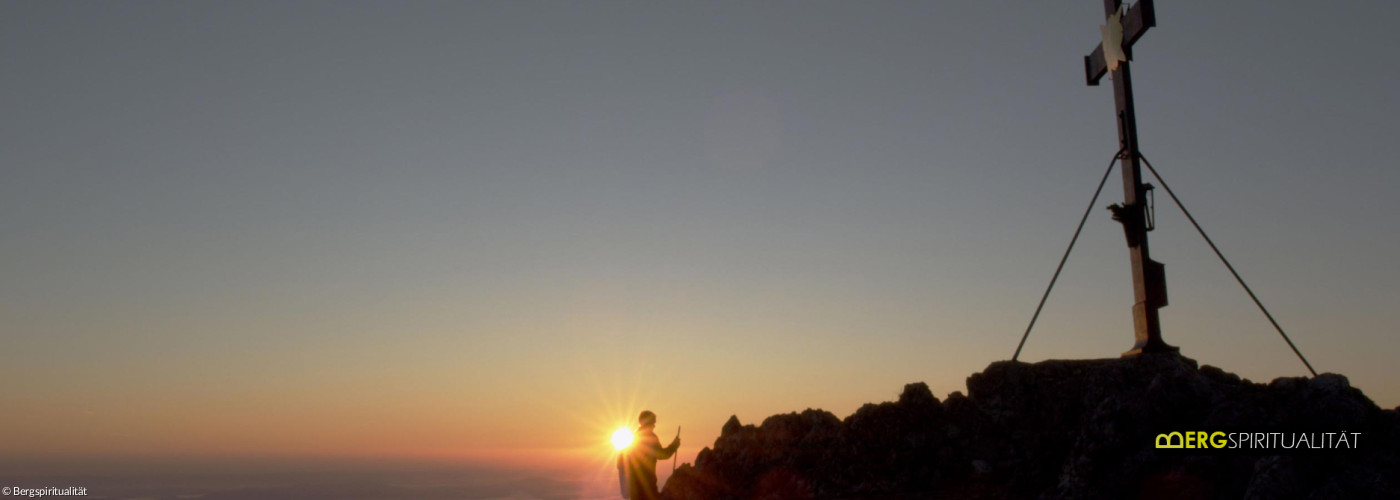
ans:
x=1063 y=429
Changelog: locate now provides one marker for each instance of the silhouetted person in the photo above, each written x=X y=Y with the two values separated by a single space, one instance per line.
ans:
x=642 y=456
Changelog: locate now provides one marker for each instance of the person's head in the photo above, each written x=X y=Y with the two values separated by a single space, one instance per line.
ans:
x=647 y=419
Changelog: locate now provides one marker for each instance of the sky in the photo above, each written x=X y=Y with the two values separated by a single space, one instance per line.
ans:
x=494 y=231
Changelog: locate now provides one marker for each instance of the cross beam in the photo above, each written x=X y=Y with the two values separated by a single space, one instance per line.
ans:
x=1149 y=278
x=1135 y=23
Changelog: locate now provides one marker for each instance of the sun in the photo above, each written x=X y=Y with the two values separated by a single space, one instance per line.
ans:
x=621 y=438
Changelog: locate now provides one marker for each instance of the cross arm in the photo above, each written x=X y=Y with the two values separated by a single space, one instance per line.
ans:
x=1138 y=19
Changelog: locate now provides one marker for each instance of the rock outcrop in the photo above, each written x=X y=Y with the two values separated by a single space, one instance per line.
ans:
x=1060 y=429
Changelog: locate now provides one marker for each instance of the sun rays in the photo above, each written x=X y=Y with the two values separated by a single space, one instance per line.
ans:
x=621 y=438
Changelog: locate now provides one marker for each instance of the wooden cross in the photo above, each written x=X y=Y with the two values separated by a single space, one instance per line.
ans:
x=1111 y=57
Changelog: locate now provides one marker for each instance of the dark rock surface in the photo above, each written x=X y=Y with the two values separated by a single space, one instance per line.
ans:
x=1059 y=429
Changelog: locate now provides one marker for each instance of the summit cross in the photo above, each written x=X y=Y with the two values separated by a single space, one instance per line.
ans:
x=1122 y=28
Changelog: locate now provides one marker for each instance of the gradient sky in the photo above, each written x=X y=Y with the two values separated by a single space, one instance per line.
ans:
x=496 y=229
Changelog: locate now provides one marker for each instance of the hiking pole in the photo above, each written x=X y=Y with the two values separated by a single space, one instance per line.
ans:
x=677 y=456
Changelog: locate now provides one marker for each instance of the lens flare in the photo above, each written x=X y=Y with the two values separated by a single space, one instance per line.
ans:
x=621 y=438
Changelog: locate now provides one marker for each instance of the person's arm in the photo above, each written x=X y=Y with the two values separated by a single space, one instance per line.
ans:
x=665 y=453
x=650 y=447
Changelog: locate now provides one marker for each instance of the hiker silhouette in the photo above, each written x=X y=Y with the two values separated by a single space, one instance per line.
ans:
x=638 y=463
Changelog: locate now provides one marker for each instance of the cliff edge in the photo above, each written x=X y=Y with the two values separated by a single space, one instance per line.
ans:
x=1064 y=429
